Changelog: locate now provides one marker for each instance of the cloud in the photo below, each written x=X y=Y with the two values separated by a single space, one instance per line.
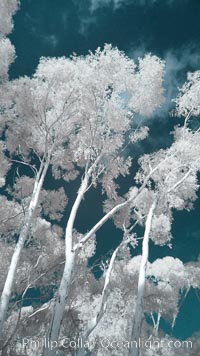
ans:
x=95 y=4
x=87 y=11
x=51 y=40
x=85 y=23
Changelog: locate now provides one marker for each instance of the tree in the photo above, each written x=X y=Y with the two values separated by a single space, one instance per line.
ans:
x=39 y=119
x=7 y=55
x=41 y=113
x=112 y=90
x=187 y=102
x=7 y=51
x=76 y=117
x=174 y=187
x=7 y=10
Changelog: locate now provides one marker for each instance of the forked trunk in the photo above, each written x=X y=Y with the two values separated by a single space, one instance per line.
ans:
x=63 y=291
x=70 y=250
x=136 y=331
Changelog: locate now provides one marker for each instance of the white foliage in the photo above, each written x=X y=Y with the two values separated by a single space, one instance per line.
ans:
x=147 y=86
x=7 y=56
x=170 y=270
x=11 y=217
x=47 y=236
x=114 y=323
x=133 y=265
x=139 y=134
x=7 y=10
x=86 y=305
x=88 y=249
x=161 y=229
x=189 y=96
x=192 y=272
x=4 y=165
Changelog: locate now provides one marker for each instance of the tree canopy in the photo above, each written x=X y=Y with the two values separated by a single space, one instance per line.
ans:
x=72 y=127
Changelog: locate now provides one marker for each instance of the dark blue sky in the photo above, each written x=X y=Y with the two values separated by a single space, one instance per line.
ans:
x=54 y=28
x=167 y=28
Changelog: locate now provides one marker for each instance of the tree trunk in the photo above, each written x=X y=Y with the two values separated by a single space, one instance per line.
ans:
x=63 y=291
x=70 y=250
x=7 y=290
x=92 y=324
x=136 y=331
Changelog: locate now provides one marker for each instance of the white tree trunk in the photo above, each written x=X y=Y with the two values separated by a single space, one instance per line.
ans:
x=70 y=250
x=92 y=324
x=7 y=290
x=136 y=331
x=63 y=291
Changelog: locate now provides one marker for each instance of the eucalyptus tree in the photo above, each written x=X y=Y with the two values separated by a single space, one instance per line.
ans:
x=7 y=10
x=4 y=164
x=7 y=51
x=37 y=118
x=177 y=181
x=108 y=327
x=173 y=186
x=187 y=101
x=165 y=278
x=7 y=56
x=112 y=90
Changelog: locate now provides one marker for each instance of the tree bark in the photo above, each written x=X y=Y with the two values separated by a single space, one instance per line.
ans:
x=70 y=251
x=136 y=331
x=7 y=290
x=63 y=291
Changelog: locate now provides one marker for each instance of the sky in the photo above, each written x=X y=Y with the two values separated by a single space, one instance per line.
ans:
x=167 y=28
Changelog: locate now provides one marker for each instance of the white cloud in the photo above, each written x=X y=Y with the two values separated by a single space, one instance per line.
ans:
x=95 y=4
x=51 y=40
x=87 y=10
x=85 y=23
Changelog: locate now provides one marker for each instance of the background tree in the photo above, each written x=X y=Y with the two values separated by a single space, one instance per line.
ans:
x=175 y=184
x=7 y=51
